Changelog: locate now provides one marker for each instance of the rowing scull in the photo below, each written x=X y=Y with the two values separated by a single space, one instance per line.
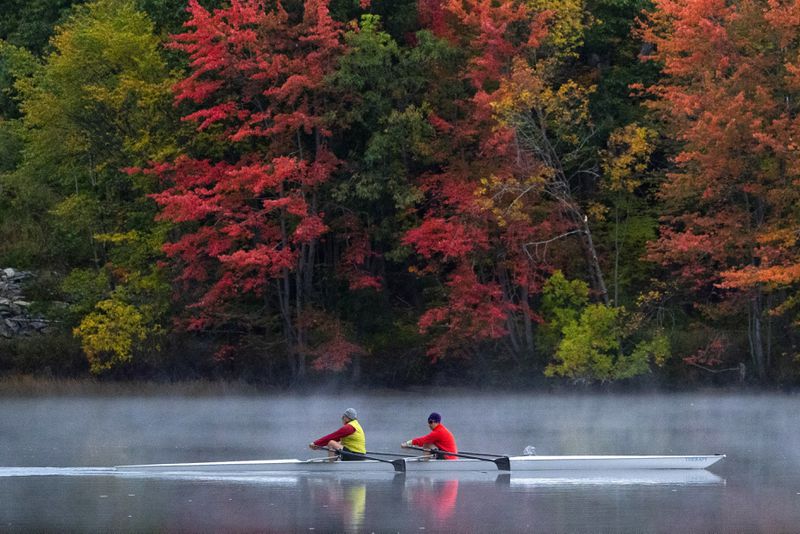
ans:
x=517 y=464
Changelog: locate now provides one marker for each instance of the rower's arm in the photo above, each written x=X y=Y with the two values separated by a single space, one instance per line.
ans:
x=345 y=430
x=424 y=440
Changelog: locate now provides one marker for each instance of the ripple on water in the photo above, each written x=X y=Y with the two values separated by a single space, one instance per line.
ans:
x=54 y=471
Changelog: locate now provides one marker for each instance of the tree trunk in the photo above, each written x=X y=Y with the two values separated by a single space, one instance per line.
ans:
x=594 y=263
x=537 y=139
x=356 y=369
x=289 y=315
x=756 y=308
x=755 y=336
x=526 y=315
x=617 y=252
x=590 y=252
x=512 y=322
x=300 y=341
x=770 y=298
x=286 y=316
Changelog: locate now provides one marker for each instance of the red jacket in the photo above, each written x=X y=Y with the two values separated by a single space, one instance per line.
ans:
x=441 y=438
x=345 y=430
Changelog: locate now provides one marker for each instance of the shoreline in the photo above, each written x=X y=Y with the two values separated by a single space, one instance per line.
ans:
x=32 y=386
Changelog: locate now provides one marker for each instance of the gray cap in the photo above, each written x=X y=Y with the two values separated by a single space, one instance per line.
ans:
x=350 y=413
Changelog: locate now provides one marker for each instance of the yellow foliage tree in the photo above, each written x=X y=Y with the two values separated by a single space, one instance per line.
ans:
x=109 y=333
x=627 y=157
x=568 y=23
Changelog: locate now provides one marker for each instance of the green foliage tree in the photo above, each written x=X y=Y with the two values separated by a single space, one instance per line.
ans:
x=100 y=102
x=30 y=23
x=592 y=348
x=594 y=342
x=15 y=62
x=22 y=232
x=387 y=139
x=610 y=55
x=562 y=303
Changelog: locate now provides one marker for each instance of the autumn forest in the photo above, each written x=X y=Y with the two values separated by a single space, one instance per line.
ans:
x=404 y=192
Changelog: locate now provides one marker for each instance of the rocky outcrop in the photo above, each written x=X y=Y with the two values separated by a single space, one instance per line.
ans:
x=15 y=317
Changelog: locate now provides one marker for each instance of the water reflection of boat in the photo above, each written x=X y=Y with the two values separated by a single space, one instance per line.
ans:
x=646 y=477
x=686 y=477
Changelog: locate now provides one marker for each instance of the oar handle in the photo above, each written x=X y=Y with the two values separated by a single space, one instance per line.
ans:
x=485 y=454
x=399 y=464
x=432 y=450
x=393 y=454
x=503 y=462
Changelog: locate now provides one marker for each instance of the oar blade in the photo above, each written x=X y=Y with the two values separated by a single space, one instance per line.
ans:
x=399 y=465
x=503 y=463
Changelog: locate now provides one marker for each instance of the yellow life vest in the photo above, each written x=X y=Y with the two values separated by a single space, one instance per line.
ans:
x=355 y=442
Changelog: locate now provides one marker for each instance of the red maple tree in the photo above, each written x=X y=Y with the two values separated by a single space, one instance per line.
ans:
x=250 y=220
x=479 y=252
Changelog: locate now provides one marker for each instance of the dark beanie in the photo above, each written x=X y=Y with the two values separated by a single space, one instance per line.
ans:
x=435 y=417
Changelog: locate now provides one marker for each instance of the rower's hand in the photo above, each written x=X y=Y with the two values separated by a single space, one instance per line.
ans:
x=313 y=447
x=406 y=444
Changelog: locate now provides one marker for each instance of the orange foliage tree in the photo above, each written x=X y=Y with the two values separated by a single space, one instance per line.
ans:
x=729 y=96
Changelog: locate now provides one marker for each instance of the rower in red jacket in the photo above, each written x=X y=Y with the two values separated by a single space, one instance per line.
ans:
x=439 y=438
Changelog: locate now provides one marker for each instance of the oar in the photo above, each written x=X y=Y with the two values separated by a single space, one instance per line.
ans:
x=503 y=463
x=484 y=454
x=399 y=464
x=395 y=454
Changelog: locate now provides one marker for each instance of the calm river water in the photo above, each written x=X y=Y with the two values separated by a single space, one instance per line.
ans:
x=50 y=448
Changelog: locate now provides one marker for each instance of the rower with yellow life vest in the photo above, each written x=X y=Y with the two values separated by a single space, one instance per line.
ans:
x=348 y=438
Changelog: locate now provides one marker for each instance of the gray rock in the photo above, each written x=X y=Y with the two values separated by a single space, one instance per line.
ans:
x=15 y=319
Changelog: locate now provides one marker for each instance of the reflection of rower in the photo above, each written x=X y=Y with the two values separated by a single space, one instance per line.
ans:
x=356 y=501
x=349 y=438
x=344 y=498
x=436 y=497
x=439 y=438
x=446 y=500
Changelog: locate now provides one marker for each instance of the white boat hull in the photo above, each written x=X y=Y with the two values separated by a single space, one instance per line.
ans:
x=518 y=464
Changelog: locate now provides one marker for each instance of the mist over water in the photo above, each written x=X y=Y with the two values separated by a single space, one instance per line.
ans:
x=756 y=488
